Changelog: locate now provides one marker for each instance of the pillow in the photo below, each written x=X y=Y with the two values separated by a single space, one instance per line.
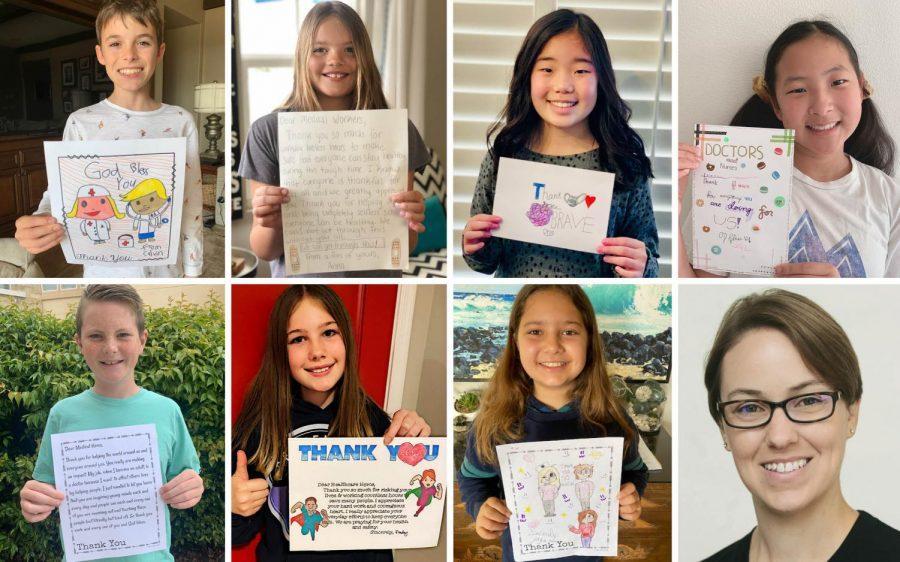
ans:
x=435 y=235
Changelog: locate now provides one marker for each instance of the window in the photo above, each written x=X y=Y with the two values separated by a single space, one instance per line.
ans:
x=486 y=38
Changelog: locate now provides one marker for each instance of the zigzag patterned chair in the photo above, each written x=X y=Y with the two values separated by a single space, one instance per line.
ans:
x=430 y=182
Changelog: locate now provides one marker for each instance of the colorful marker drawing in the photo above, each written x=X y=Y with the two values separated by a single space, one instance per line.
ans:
x=427 y=489
x=310 y=517
x=147 y=204
x=587 y=524
x=548 y=484
x=94 y=205
x=584 y=487
x=540 y=213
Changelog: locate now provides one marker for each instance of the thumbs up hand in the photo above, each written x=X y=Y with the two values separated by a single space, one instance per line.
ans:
x=247 y=494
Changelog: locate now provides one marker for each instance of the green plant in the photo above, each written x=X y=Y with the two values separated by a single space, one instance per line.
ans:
x=467 y=402
x=40 y=364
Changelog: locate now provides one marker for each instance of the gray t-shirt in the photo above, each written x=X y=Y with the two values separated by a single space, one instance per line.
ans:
x=259 y=162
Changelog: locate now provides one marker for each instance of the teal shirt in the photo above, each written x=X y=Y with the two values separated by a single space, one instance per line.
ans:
x=89 y=410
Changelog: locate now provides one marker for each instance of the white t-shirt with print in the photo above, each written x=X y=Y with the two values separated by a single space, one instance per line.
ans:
x=852 y=222
x=107 y=121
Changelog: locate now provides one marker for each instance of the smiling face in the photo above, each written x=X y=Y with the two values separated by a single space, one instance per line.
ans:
x=332 y=65
x=311 y=506
x=564 y=83
x=787 y=466
x=147 y=204
x=316 y=351
x=97 y=208
x=428 y=481
x=552 y=342
x=111 y=345
x=819 y=95
x=130 y=52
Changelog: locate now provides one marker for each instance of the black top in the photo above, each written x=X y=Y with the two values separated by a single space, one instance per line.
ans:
x=869 y=540
x=308 y=420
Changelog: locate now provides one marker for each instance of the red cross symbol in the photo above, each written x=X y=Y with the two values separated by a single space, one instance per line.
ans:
x=124 y=242
x=91 y=192
x=90 y=223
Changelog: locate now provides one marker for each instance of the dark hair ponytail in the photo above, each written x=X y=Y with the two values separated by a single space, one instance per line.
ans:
x=620 y=147
x=870 y=143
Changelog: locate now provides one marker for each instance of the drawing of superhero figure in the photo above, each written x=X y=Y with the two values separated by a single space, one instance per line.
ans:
x=309 y=518
x=426 y=491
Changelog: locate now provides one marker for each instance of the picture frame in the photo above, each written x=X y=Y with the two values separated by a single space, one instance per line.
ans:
x=67 y=107
x=68 y=72
x=84 y=64
x=85 y=81
x=100 y=76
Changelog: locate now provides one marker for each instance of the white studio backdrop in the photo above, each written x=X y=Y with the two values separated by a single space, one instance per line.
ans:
x=714 y=507
x=722 y=45
x=487 y=36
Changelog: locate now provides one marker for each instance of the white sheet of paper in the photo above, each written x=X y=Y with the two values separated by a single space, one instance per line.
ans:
x=741 y=196
x=367 y=494
x=552 y=508
x=552 y=205
x=111 y=478
x=341 y=168
x=102 y=192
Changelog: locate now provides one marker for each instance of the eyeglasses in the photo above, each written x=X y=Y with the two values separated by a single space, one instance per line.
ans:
x=806 y=408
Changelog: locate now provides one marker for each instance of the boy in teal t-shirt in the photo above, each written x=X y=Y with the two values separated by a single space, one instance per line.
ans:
x=110 y=333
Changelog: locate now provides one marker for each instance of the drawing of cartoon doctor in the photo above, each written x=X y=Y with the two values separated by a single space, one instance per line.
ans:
x=94 y=205
x=147 y=203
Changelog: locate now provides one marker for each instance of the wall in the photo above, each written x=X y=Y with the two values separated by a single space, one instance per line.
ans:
x=715 y=508
x=436 y=79
x=84 y=48
x=181 y=71
x=213 y=63
x=717 y=65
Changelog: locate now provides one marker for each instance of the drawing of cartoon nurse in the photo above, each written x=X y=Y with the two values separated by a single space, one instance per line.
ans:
x=94 y=206
x=584 y=488
x=309 y=517
x=146 y=204
x=587 y=524
x=426 y=490
x=548 y=485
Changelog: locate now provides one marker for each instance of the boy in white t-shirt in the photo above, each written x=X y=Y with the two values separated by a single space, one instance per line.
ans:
x=129 y=37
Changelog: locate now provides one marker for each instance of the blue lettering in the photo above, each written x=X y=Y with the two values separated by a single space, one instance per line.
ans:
x=336 y=453
x=537 y=189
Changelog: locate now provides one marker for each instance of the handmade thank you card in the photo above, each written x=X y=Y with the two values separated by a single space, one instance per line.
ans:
x=358 y=493
x=111 y=478
x=119 y=201
x=564 y=497
x=741 y=198
x=552 y=205
x=341 y=168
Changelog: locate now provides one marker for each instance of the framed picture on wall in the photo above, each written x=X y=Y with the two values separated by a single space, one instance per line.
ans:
x=85 y=80
x=68 y=72
x=100 y=76
x=67 y=107
x=84 y=63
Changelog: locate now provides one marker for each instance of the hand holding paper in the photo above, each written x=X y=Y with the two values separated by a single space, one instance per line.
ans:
x=406 y=423
x=39 y=233
x=629 y=502
x=38 y=500
x=411 y=206
x=492 y=519
x=629 y=256
x=478 y=229
x=183 y=491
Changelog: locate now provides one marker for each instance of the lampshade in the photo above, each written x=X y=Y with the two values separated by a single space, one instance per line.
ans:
x=209 y=98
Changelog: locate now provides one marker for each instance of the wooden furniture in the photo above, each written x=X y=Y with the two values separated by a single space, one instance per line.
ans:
x=23 y=177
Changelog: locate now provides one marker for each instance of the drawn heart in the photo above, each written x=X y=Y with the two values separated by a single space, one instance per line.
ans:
x=589 y=200
x=411 y=454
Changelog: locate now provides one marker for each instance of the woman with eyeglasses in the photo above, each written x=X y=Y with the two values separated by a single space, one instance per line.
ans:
x=784 y=387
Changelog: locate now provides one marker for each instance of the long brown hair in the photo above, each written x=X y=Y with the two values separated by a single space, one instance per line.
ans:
x=499 y=420
x=267 y=405
x=368 y=93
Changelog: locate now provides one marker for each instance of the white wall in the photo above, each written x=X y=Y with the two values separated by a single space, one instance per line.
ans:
x=714 y=507
x=720 y=51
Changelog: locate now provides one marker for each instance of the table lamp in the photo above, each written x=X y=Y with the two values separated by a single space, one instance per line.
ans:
x=210 y=99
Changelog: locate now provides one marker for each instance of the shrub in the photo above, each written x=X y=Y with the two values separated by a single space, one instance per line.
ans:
x=40 y=365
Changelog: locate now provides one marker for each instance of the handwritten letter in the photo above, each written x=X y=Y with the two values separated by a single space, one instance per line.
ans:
x=341 y=168
x=111 y=478
x=564 y=496
x=351 y=494
x=741 y=198
x=120 y=201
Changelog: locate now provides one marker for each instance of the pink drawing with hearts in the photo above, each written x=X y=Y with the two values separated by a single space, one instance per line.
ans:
x=411 y=454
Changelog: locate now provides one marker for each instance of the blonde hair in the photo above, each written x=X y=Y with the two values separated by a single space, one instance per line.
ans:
x=368 y=93
x=112 y=203
x=146 y=187
x=144 y=12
